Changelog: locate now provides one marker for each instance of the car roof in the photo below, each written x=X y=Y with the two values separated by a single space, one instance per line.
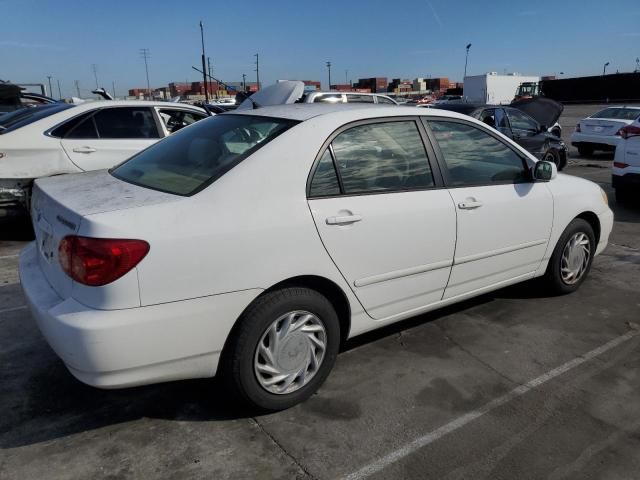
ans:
x=131 y=103
x=305 y=111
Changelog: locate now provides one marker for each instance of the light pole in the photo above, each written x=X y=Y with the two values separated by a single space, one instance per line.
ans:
x=604 y=69
x=59 y=91
x=50 y=90
x=145 y=54
x=257 y=71
x=77 y=84
x=244 y=82
x=329 y=69
x=346 y=77
x=204 y=67
x=466 y=59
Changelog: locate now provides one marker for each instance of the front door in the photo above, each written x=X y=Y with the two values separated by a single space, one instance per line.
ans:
x=504 y=218
x=526 y=132
x=110 y=136
x=382 y=218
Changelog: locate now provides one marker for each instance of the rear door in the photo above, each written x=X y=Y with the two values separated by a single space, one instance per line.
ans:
x=383 y=215
x=504 y=217
x=110 y=136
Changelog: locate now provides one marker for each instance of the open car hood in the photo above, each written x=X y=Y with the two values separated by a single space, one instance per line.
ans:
x=281 y=93
x=544 y=110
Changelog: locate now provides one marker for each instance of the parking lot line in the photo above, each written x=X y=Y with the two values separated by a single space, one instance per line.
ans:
x=13 y=309
x=460 y=422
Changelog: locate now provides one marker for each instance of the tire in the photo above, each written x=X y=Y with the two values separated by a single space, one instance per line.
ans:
x=623 y=195
x=585 y=151
x=243 y=364
x=552 y=155
x=554 y=279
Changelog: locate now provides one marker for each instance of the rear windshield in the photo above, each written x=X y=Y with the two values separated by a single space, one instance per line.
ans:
x=189 y=160
x=619 y=113
x=25 y=116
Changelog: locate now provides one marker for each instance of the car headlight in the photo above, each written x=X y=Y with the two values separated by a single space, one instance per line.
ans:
x=605 y=198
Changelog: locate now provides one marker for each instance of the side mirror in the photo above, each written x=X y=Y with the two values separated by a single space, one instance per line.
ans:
x=544 y=171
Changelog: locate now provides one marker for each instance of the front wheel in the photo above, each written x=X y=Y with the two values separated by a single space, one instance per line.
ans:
x=283 y=348
x=552 y=155
x=571 y=259
x=585 y=151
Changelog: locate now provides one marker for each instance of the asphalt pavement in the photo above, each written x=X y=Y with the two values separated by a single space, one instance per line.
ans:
x=510 y=385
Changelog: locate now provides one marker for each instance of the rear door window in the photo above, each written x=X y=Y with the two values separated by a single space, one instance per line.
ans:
x=126 y=122
x=386 y=156
x=328 y=98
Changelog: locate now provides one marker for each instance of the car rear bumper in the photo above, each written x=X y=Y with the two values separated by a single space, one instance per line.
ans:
x=607 y=142
x=135 y=346
x=14 y=192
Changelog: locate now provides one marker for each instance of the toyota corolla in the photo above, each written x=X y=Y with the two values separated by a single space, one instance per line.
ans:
x=250 y=245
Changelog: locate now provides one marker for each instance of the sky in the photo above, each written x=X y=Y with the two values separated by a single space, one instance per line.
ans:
x=295 y=39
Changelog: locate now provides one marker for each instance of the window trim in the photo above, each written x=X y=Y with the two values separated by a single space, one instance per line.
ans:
x=327 y=144
x=443 y=165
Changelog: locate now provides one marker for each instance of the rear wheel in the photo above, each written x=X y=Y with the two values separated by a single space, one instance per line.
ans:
x=283 y=349
x=623 y=195
x=572 y=257
x=585 y=151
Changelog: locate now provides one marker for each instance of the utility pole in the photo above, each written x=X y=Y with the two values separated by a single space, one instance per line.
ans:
x=50 y=89
x=210 y=82
x=204 y=67
x=329 y=68
x=466 y=59
x=637 y=65
x=77 y=84
x=146 y=55
x=113 y=88
x=59 y=91
x=346 y=77
x=257 y=71
x=94 y=67
x=244 y=82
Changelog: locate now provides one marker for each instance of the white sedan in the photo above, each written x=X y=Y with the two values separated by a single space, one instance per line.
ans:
x=626 y=164
x=601 y=131
x=62 y=138
x=252 y=244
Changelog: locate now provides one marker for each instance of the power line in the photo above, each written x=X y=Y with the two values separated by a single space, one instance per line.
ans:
x=145 y=54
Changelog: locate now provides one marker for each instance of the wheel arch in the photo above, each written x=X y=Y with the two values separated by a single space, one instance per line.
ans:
x=324 y=286
x=592 y=219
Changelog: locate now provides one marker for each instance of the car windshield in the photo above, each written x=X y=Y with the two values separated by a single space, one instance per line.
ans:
x=193 y=158
x=618 y=113
x=25 y=116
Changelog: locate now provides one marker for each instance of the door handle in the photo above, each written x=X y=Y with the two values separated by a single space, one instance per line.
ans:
x=344 y=220
x=84 y=150
x=469 y=205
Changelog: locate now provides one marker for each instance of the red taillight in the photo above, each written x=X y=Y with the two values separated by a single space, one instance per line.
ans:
x=620 y=165
x=98 y=261
x=629 y=131
x=578 y=128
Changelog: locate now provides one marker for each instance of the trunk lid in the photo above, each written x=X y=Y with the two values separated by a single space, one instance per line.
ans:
x=59 y=205
x=602 y=127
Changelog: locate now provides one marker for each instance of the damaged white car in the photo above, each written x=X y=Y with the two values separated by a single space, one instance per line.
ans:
x=61 y=138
